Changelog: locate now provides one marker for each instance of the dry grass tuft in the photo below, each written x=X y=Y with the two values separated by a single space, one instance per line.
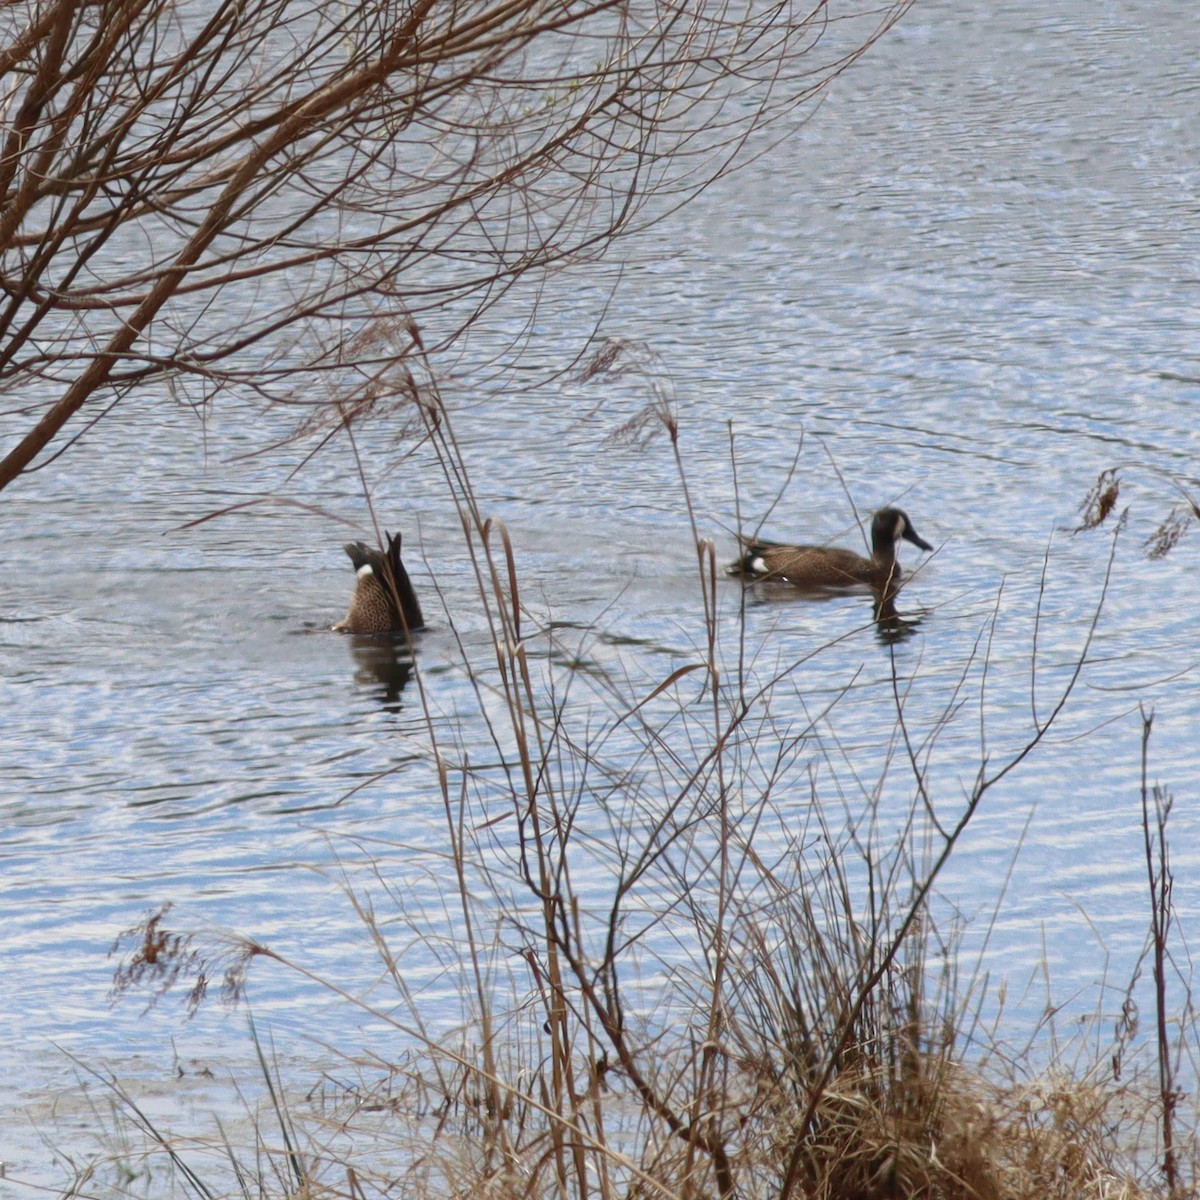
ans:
x=155 y=959
x=1102 y=498
x=960 y=1135
x=1055 y=1137
x=619 y=358
x=684 y=972
x=1100 y=501
x=1165 y=538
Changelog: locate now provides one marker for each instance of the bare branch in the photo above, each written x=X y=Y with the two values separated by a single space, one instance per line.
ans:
x=203 y=194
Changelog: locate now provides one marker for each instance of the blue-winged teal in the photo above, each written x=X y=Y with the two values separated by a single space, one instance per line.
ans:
x=828 y=566
x=383 y=600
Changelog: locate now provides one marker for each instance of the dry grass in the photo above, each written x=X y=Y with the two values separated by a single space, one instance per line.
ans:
x=1101 y=501
x=684 y=972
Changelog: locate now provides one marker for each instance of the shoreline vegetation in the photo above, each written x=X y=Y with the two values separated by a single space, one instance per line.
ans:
x=307 y=211
x=760 y=1003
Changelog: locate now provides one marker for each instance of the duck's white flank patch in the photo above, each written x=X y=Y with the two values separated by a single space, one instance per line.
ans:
x=364 y=571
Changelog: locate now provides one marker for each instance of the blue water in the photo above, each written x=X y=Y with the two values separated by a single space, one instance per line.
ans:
x=966 y=283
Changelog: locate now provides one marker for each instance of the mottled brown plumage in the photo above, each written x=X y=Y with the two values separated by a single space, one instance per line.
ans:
x=383 y=600
x=829 y=566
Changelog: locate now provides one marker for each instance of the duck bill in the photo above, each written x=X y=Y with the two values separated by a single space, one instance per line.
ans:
x=911 y=535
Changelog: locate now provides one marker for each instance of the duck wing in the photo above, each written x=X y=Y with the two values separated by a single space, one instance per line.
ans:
x=826 y=566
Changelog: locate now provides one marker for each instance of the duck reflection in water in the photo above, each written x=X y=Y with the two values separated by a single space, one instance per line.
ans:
x=384 y=612
x=891 y=627
x=384 y=665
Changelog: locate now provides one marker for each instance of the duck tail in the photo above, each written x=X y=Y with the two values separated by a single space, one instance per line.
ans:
x=750 y=565
x=396 y=578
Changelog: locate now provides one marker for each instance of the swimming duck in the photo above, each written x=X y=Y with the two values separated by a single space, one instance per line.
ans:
x=828 y=566
x=383 y=600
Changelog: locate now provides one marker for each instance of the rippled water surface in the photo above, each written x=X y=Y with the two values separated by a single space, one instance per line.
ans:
x=968 y=282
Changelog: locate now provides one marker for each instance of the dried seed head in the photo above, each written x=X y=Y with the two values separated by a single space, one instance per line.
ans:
x=1100 y=500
